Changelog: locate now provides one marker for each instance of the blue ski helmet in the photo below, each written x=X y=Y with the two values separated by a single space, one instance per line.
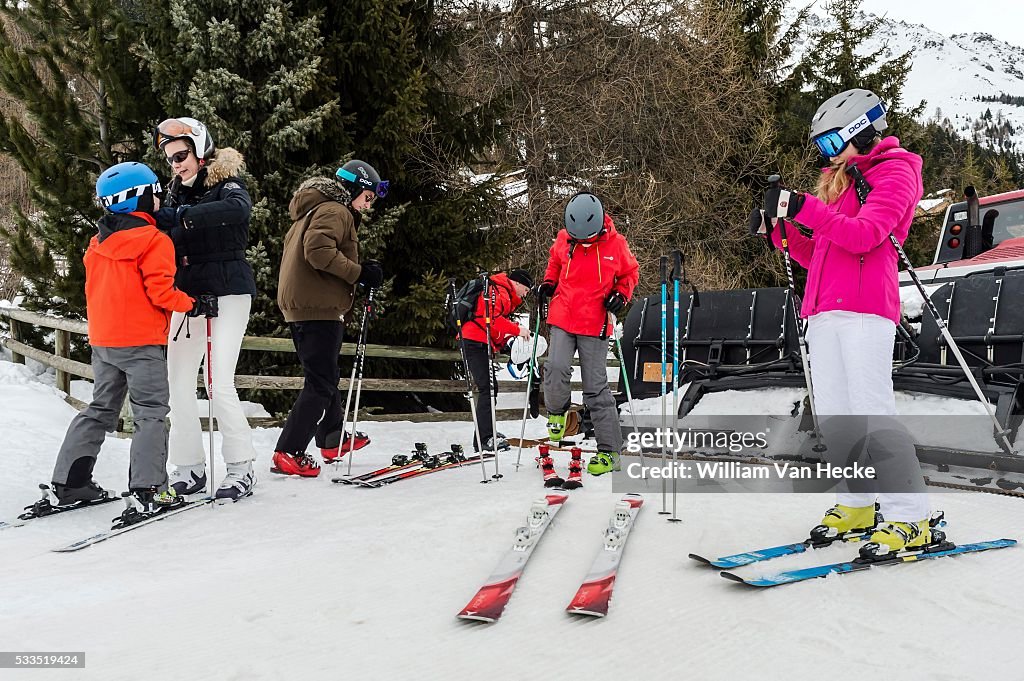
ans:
x=120 y=187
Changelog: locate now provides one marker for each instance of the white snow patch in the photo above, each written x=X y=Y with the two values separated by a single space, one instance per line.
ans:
x=307 y=578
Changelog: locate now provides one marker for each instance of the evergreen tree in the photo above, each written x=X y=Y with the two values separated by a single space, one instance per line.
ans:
x=248 y=75
x=69 y=64
x=299 y=88
x=389 y=63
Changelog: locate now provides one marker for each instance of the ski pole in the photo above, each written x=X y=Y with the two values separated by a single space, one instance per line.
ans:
x=357 y=370
x=774 y=181
x=1000 y=432
x=623 y=375
x=348 y=403
x=491 y=378
x=452 y=293
x=529 y=386
x=863 y=189
x=677 y=268
x=663 y=268
x=209 y=393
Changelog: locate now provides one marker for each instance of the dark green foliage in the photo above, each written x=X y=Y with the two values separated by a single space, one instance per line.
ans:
x=69 y=65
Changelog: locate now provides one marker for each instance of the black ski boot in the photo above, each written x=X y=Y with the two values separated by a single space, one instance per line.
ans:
x=88 y=493
x=144 y=503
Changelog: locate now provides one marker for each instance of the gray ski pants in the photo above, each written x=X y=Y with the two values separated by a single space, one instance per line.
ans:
x=141 y=372
x=597 y=396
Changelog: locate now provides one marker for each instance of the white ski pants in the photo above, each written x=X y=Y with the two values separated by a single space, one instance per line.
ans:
x=184 y=357
x=851 y=372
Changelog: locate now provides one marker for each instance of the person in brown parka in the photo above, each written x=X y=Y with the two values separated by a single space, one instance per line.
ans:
x=319 y=271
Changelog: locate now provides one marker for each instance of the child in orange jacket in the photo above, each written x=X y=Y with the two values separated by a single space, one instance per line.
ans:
x=130 y=293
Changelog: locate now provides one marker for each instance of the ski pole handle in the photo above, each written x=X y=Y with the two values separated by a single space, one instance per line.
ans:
x=677 y=264
x=774 y=182
x=663 y=268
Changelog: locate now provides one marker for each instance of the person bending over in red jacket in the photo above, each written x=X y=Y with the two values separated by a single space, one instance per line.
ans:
x=507 y=292
x=591 y=273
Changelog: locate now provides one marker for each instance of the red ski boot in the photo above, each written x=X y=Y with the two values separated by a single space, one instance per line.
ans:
x=575 y=479
x=300 y=464
x=547 y=467
x=333 y=452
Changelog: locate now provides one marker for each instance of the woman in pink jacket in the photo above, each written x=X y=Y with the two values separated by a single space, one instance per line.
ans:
x=852 y=306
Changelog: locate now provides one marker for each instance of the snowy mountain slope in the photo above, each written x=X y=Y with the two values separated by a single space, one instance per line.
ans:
x=950 y=71
x=308 y=580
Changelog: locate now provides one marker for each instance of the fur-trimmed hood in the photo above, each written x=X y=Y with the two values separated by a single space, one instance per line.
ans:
x=326 y=186
x=313 y=192
x=227 y=162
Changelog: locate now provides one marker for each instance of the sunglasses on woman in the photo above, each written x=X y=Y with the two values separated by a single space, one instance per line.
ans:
x=179 y=157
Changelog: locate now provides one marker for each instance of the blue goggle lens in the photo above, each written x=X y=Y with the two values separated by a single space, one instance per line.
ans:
x=830 y=144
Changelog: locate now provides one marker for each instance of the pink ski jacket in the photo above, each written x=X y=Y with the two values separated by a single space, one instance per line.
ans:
x=851 y=263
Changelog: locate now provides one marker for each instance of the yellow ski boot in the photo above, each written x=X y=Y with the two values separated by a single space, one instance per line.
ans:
x=891 y=538
x=840 y=520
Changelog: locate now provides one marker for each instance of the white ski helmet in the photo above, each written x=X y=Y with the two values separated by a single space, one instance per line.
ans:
x=856 y=116
x=188 y=129
x=521 y=349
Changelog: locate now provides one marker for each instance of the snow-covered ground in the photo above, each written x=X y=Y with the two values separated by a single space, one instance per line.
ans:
x=309 y=580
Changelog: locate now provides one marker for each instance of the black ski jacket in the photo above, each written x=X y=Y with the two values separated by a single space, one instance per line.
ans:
x=209 y=224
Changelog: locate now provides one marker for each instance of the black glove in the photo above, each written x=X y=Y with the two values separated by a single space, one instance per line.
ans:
x=205 y=306
x=168 y=219
x=371 y=276
x=779 y=202
x=615 y=302
x=544 y=291
x=758 y=226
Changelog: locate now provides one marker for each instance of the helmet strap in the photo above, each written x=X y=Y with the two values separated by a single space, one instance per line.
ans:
x=864 y=140
x=145 y=202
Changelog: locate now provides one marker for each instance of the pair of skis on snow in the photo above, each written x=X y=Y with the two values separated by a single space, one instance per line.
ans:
x=940 y=550
x=418 y=464
x=594 y=594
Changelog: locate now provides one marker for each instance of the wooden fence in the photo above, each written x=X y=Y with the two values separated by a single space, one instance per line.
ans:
x=66 y=367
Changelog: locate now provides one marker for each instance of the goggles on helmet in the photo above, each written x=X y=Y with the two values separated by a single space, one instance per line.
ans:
x=129 y=193
x=833 y=142
x=173 y=129
x=381 y=189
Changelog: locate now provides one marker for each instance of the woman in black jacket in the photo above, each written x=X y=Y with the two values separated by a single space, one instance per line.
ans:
x=206 y=213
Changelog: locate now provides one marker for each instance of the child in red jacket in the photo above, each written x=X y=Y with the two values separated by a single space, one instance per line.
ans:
x=130 y=293
x=590 y=276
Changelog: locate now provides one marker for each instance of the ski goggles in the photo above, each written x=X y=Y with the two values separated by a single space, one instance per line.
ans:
x=173 y=129
x=381 y=188
x=833 y=142
x=130 y=193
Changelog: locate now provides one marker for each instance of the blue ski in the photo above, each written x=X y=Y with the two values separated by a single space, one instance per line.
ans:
x=748 y=557
x=856 y=565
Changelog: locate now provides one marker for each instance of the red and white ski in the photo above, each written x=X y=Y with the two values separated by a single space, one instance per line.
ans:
x=490 y=601
x=595 y=593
